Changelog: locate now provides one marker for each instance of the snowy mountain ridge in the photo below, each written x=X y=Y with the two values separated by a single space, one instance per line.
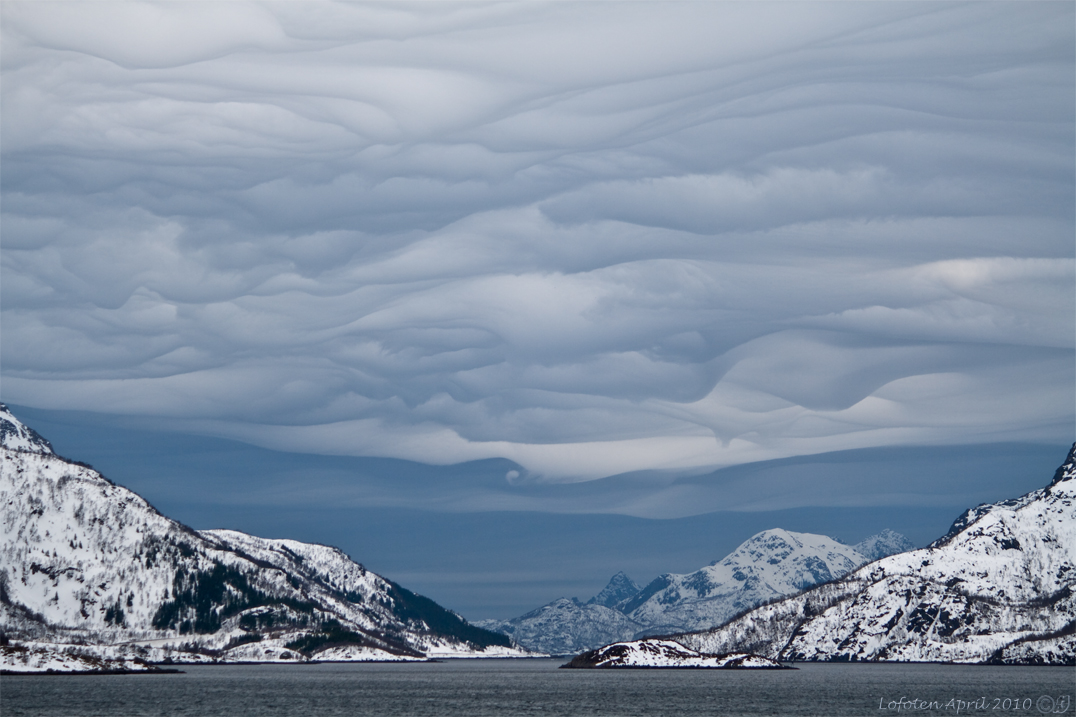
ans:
x=83 y=560
x=16 y=437
x=618 y=591
x=999 y=588
x=882 y=545
x=769 y=565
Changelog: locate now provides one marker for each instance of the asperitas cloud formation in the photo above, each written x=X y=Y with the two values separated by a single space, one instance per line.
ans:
x=587 y=237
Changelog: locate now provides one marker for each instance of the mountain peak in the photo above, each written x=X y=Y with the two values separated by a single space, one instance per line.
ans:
x=775 y=545
x=17 y=437
x=886 y=543
x=619 y=589
x=1067 y=470
x=1065 y=473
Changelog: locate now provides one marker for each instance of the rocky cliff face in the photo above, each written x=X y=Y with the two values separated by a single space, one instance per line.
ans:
x=83 y=560
x=999 y=587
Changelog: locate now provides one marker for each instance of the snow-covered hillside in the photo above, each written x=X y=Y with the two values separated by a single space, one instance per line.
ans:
x=997 y=588
x=770 y=565
x=83 y=560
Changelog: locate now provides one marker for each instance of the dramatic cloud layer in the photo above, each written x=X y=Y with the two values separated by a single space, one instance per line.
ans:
x=588 y=238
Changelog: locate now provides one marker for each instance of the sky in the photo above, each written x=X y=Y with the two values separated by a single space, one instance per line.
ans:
x=678 y=270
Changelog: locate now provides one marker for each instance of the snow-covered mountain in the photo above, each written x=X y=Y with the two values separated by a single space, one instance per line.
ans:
x=883 y=545
x=999 y=587
x=770 y=565
x=566 y=626
x=85 y=561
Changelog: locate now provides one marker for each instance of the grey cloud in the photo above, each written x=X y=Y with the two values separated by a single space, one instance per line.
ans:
x=587 y=238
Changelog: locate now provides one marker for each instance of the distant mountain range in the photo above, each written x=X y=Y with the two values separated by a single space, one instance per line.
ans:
x=92 y=577
x=997 y=588
x=770 y=565
x=89 y=567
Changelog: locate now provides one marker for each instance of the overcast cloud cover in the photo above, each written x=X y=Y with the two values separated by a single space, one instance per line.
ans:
x=588 y=238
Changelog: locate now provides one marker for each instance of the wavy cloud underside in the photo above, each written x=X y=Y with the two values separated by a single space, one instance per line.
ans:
x=589 y=238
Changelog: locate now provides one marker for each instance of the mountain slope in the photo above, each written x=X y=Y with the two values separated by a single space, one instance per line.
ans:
x=85 y=560
x=999 y=587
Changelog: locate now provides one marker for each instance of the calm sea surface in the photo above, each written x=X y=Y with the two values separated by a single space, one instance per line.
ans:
x=474 y=688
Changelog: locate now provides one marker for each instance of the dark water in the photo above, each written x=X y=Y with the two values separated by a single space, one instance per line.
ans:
x=536 y=687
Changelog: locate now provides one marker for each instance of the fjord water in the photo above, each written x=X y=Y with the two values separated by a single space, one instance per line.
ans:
x=475 y=688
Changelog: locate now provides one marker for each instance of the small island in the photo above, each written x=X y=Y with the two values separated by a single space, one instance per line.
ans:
x=661 y=653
